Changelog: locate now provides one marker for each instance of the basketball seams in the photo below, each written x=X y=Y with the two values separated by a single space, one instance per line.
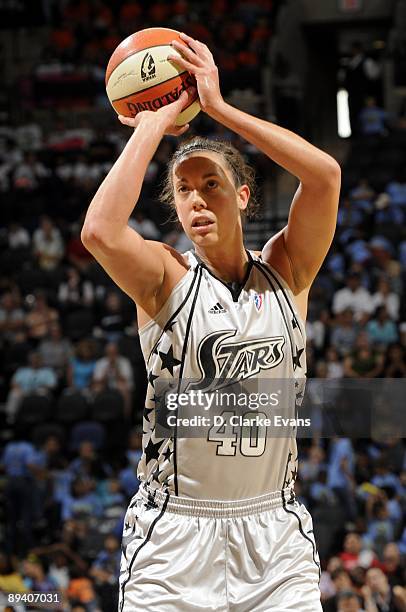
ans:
x=146 y=39
x=140 y=77
x=110 y=73
x=136 y=93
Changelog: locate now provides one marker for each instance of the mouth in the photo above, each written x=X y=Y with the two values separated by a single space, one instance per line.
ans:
x=202 y=223
x=202 y=226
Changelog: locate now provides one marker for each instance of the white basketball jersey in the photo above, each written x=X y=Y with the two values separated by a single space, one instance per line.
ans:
x=206 y=331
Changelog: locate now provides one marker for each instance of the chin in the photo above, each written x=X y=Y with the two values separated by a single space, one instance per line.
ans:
x=210 y=239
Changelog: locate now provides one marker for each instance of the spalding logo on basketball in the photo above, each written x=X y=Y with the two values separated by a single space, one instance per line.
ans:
x=139 y=76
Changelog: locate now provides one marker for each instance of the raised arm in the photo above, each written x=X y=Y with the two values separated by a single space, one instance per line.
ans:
x=300 y=248
x=136 y=265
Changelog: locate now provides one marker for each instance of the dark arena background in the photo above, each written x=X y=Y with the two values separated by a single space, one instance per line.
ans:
x=72 y=381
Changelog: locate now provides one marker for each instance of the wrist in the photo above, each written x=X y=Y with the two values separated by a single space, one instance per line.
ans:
x=151 y=122
x=218 y=110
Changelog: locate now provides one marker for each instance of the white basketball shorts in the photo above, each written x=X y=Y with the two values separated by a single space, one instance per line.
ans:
x=184 y=555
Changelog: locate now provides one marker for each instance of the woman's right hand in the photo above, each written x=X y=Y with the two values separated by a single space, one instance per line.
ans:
x=166 y=115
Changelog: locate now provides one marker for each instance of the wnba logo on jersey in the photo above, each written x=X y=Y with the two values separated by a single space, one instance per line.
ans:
x=235 y=361
x=258 y=300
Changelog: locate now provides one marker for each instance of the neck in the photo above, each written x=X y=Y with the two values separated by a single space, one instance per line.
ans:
x=228 y=264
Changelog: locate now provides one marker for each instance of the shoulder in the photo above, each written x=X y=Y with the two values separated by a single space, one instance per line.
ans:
x=171 y=258
x=274 y=253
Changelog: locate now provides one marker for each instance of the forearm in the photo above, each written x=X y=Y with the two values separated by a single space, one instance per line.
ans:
x=308 y=163
x=116 y=197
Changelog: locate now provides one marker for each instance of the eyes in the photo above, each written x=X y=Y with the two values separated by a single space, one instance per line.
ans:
x=209 y=186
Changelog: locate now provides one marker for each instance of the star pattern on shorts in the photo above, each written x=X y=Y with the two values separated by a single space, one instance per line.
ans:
x=151 y=504
x=167 y=454
x=152 y=450
x=168 y=360
x=152 y=377
x=155 y=474
x=146 y=414
x=294 y=323
x=296 y=358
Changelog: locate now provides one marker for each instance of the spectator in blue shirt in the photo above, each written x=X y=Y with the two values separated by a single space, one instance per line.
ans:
x=372 y=119
x=341 y=472
x=381 y=329
x=21 y=499
x=397 y=190
x=82 y=501
x=81 y=368
x=32 y=378
x=105 y=571
x=363 y=195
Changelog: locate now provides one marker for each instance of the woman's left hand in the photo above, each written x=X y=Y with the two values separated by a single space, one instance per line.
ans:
x=197 y=59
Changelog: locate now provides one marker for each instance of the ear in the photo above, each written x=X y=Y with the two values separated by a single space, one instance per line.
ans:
x=243 y=195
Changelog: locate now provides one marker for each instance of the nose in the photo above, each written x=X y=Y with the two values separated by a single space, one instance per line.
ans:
x=197 y=201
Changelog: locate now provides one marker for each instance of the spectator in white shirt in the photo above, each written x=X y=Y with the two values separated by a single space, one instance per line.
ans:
x=17 y=236
x=115 y=372
x=29 y=173
x=48 y=245
x=385 y=297
x=335 y=368
x=355 y=297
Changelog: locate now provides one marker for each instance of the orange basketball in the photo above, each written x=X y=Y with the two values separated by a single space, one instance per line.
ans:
x=140 y=77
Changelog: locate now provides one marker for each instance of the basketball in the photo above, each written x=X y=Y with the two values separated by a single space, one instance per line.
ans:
x=139 y=76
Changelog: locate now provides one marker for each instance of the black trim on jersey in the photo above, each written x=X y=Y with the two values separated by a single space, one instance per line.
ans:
x=175 y=314
x=182 y=366
x=290 y=455
x=302 y=531
x=234 y=287
x=264 y=272
x=149 y=534
x=281 y=287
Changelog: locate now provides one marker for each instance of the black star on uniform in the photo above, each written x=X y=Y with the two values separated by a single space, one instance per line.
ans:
x=146 y=415
x=294 y=474
x=150 y=504
x=168 y=360
x=155 y=474
x=294 y=323
x=296 y=358
x=169 y=326
x=152 y=450
x=296 y=384
x=127 y=525
x=151 y=378
x=167 y=454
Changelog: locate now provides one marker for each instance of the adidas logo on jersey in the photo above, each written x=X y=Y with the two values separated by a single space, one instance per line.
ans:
x=217 y=309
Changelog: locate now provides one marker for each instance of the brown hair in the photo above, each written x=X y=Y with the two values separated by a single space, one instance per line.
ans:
x=243 y=173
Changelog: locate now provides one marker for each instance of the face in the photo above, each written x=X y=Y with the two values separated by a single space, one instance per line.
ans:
x=207 y=201
x=111 y=351
x=376 y=580
x=349 y=604
x=352 y=543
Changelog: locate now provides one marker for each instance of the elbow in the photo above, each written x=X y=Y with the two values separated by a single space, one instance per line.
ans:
x=88 y=235
x=332 y=173
x=94 y=237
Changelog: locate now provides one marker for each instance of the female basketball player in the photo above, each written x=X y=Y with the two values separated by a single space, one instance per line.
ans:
x=215 y=525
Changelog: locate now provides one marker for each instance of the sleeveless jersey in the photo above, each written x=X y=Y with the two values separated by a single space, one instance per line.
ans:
x=204 y=328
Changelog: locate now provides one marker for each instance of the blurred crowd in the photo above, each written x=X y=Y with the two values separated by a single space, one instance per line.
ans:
x=82 y=34
x=72 y=381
